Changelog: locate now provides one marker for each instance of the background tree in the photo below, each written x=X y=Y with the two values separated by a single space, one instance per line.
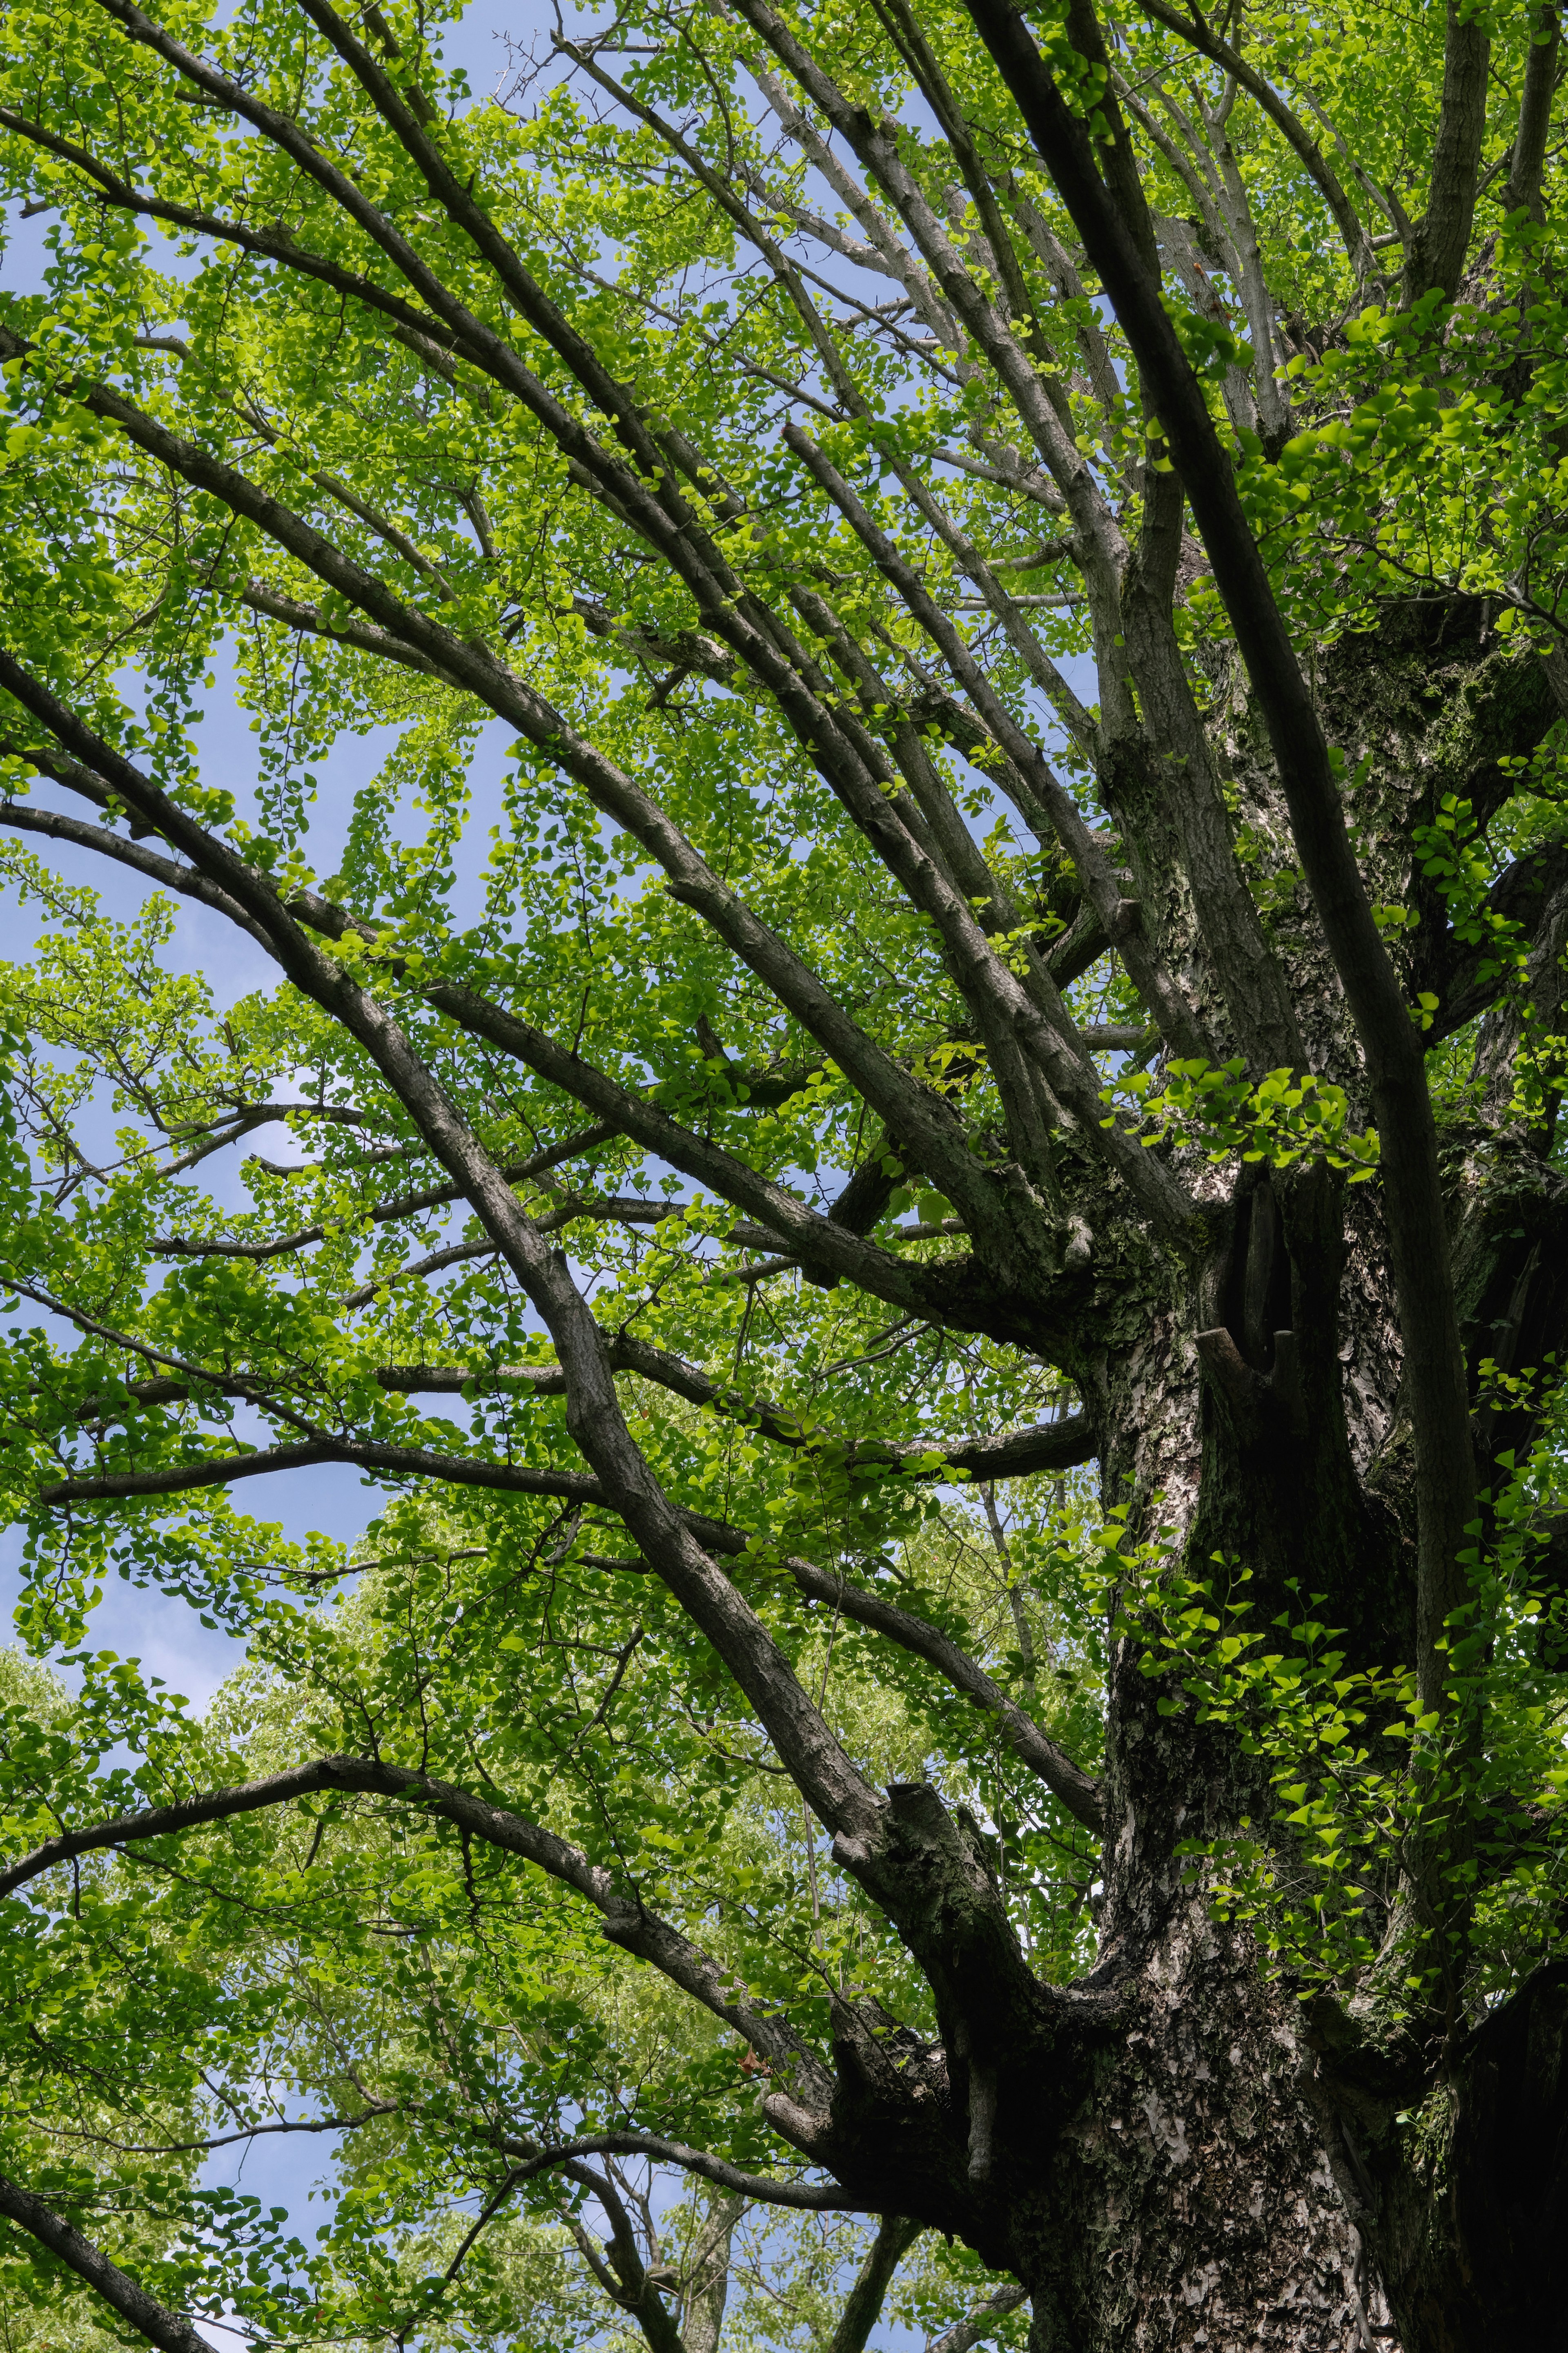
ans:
x=1019 y=562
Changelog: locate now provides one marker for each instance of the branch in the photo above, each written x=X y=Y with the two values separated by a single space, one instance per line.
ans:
x=165 y=1821
x=626 y=1924
x=624 y=2278
x=978 y=2326
x=1059 y=1445
x=947 y=1295
x=1097 y=878
x=53 y=826
x=376 y=2109
x=1066 y=1780
x=1055 y=1044
x=893 y=257
x=1412 y=1189
x=457 y=1254
x=818 y=1763
x=150 y=2318
x=760 y=2189
x=863 y=2305
x=1282 y=115
x=1062 y=1776
x=397 y=1461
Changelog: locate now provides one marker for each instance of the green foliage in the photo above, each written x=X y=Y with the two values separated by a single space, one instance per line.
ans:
x=1289 y=1115
x=1364 y=1783
x=169 y=1313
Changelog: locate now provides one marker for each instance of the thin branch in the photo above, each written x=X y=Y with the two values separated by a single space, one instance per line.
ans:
x=762 y=2190
x=628 y=1922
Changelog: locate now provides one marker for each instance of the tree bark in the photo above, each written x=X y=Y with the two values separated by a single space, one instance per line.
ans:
x=1277 y=1368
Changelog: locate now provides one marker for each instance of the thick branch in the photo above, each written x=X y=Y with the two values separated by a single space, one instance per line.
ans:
x=1442 y=238
x=1059 y=1445
x=1535 y=110
x=948 y=1294
x=1434 y=1365
x=357 y=634
x=150 y=2318
x=863 y=2305
x=1051 y=1446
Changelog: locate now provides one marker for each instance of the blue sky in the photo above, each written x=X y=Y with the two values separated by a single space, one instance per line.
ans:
x=163 y=1633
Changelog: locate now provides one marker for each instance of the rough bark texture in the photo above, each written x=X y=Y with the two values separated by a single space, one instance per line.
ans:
x=1174 y=2151
x=1184 y=2156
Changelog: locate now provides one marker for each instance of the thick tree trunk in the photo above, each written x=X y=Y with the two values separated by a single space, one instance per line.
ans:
x=1199 y=2186
x=1185 y=2152
x=1241 y=2167
x=1208 y=2192
x=1170 y=2168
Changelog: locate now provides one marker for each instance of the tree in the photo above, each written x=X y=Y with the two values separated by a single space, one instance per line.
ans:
x=776 y=421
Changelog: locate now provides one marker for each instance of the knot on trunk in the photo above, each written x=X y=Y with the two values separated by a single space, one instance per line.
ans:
x=1262 y=1405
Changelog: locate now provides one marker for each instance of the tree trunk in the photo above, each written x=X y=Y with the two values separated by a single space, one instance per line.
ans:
x=1212 y=2196
x=1204 y=2201
x=1186 y=2152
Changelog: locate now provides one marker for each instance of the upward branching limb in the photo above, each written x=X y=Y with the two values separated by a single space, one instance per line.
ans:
x=1442 y=238
x=1435 y=1370
x=1194 y=30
